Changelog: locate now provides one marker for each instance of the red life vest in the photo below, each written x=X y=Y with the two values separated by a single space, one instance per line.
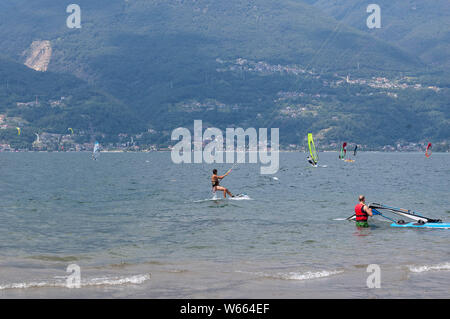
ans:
x=361 y=216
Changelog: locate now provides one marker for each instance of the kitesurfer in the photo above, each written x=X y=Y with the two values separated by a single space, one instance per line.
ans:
x=215 y=179
x=362 y=212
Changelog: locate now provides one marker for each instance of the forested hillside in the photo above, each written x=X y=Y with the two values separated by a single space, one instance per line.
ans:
x=304 y=66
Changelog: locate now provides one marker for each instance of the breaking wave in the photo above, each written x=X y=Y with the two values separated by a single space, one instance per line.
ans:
x=308 y=275
x=104 y=281
x=424 y=268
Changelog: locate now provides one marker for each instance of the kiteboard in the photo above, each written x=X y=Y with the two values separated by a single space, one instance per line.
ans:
x=220 y=198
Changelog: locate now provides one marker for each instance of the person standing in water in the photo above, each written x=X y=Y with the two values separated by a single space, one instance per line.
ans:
x=215 y=179
x=362 y=212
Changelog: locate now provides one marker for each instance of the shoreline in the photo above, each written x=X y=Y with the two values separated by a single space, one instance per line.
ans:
x=168 y=151
x=201 y=279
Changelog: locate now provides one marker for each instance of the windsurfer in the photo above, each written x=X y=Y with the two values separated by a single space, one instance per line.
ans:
x=311 y=161
x=362 y=212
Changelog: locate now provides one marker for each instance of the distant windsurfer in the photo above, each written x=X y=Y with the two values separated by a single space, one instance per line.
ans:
x=362 y=212
x=215 y=179
x=311 y=161
x=96 y=151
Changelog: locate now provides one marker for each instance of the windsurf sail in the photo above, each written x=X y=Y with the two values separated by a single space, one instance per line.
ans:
x=96 y=151
x=312 y=149
x=405 y=213
x=18 y=130
x=418 y=219
x=428 y=151
x=70 y=130
x=354 y=151
x=343 y=151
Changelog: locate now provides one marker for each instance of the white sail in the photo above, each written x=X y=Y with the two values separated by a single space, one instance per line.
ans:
x=96 y=151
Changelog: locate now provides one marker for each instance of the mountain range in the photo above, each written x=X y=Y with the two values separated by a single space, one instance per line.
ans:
x=304 y=66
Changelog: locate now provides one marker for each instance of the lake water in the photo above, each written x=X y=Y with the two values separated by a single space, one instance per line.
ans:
x=139 y=226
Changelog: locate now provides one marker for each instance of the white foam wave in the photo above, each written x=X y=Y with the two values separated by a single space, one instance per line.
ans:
x=136 y=280
x=26 y=285
x=105 y=281
x=309 y=275
x=297 y=275
x=240 y=197
x=424 y=268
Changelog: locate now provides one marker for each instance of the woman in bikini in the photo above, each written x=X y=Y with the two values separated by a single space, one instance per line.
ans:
x=215 y=179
